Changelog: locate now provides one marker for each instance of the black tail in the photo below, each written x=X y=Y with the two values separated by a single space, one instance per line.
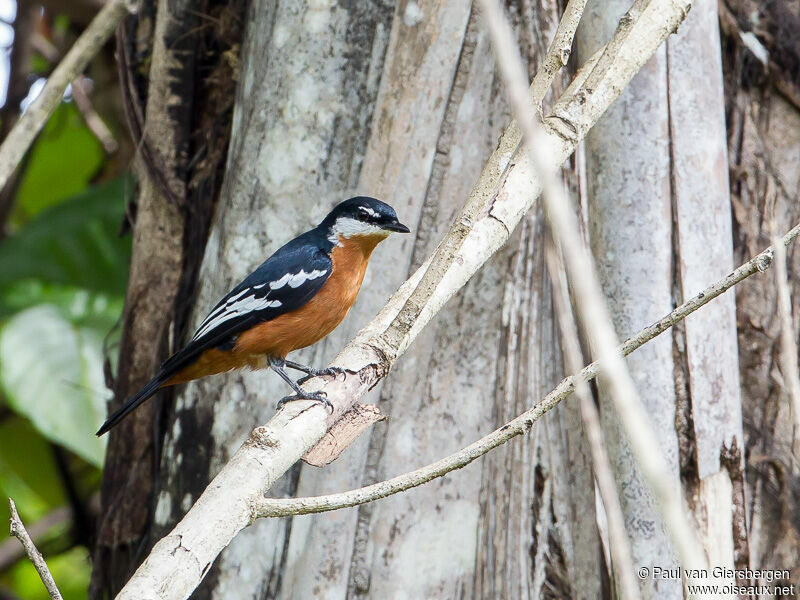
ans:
x=142 y=395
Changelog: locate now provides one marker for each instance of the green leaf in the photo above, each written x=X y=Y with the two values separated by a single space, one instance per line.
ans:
x=82 y=307
x=29 y=477
x=71 y=571
x=74 y=244
x=52 y=372
x=62 y=163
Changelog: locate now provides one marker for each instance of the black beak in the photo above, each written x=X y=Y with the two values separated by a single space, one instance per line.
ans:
x=396 y=226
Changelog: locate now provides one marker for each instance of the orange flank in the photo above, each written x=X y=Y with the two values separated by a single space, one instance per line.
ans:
x=211 y=362
x=299 y=328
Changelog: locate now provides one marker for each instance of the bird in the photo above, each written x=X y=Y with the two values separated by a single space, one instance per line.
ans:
x=295 y=298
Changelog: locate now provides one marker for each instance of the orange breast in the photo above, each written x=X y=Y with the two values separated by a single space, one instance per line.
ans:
x=323 y=313
x=296 y=329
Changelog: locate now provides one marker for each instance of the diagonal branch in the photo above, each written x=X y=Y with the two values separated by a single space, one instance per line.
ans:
x=87 y=45
x=179 y=561
x=589 y=299
x=486 y=188
x=282 y=507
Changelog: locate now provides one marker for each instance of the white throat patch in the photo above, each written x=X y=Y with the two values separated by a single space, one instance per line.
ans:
x=348 y=227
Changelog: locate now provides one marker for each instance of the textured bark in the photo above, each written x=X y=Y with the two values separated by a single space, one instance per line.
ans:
x=630 y=234
x=657 y=204
x=709 y=418
x=172 y=214
x=309 y=81
x=152 y=287
x=16 y=90
x=763 y=138
x=337 y=99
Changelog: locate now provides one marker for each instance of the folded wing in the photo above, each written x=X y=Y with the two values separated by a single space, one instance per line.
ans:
x=284 y=283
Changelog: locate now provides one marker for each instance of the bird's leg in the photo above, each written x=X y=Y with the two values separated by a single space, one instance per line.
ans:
x=279 y=366
x=312 y=372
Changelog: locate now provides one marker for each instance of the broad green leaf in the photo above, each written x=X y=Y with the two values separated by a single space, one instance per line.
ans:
x=52 y=372
x=74 y=244
x=82 y=307
x=64 y=159
x=27 y=471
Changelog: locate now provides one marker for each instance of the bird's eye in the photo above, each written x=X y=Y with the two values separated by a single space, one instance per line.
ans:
x=363 y=215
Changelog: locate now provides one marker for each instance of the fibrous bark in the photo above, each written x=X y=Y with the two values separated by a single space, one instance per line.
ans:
x=624 y=209
x=763 y=121
x=181 y=559
x=657 y=195
x=181 y=132
x=305 y=103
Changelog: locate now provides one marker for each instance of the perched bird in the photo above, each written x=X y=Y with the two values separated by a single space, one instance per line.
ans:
x=294 y=299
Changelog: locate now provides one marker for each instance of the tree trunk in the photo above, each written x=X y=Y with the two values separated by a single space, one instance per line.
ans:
x=659 y=223
x=763 y=116
x=405 y=106
x=403 y=102
x=173 y=118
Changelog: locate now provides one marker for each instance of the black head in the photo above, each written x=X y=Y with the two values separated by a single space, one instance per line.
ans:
x=363 y=216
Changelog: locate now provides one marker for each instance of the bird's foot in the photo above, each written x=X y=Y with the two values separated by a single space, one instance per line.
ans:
x=320 y=396
x=333 y=371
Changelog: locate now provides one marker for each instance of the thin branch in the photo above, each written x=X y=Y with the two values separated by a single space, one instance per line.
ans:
x=81 y=87
x=619 y=543
x=19 y=532
x=486 y=188
x=283 y=507
x=10 y=551
x=86 y=46
x=179 y=561
x=589 y=298
x=788 y=359
x=559 y=52
x=95 y=123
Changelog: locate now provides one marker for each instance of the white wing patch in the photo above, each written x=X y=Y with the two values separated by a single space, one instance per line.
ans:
x=246 y=301
x=297 y=279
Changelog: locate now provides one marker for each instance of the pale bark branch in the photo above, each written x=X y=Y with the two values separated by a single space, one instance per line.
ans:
x=559 y=52
x=10 y=552
x=179 y=561
x=619 y=545
x=589 y=298
x=81 y=88
x=31 y=122
x=789 y=368
x=19 y=532
x=283 y=507
x=484 y=191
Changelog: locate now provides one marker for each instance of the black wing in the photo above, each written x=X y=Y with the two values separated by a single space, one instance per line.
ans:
x=283 y=283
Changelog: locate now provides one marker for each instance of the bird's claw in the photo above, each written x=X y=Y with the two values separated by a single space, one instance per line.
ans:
x=318 y=396
x=333 y=371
